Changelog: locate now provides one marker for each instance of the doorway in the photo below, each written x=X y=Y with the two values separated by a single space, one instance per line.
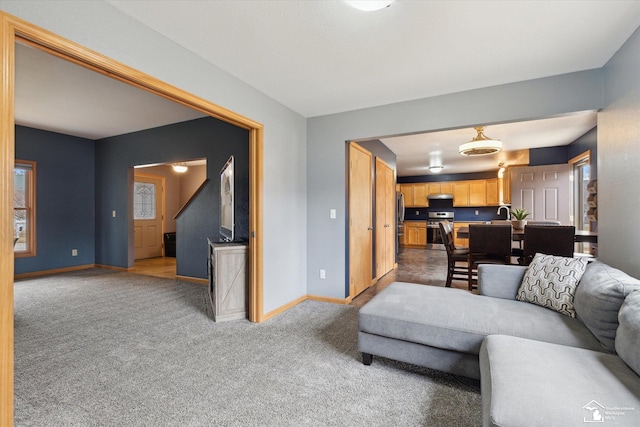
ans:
x=148 y=216
x=14 y=30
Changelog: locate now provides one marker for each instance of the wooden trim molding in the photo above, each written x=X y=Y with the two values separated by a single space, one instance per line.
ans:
x=581 y=157
x=193 y=196
x=54 y=271
x=13 y=29
x=7 y=156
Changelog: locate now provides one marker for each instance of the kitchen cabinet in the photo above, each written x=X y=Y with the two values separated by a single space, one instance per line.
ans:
x=478 y=192
x=504 y=184
x=415 y=195
x=420 y=195
x=407 y=192
x=415 y=234
x=461 y=193
x=440 y=188
x=493 y=193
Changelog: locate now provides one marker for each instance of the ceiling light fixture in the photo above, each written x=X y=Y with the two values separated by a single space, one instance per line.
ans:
x=436 y=168
x=180 y=167
x=369 y=5
x=481 y=145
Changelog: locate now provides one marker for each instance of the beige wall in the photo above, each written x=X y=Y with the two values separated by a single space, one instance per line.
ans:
x=190 y=181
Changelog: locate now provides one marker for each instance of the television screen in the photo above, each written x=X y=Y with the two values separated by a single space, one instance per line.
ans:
x=226 y=201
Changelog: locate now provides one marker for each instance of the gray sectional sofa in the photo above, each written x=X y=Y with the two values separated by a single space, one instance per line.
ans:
x=536 y=366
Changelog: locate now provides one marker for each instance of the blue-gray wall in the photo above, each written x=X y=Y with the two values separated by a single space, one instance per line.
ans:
x=618 y=160
x=326 y=178
x=65 y=205
x=201 y=138
x=284 y=180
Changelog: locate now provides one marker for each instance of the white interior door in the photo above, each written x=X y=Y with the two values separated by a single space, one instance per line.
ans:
x=147 y=216
x=544 y=191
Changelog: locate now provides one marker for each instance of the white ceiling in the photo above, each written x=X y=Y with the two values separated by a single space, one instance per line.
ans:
x=321 y=57
x=415 y=153
x=58 y=96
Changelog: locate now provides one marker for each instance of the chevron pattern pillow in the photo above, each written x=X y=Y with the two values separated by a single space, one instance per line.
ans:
x=551 y=281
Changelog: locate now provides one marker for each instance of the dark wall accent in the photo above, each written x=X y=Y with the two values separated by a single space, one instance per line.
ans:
x=65 y=199
x=207 y=138
x=548 y=155
x=588 y=141
x=448 y=177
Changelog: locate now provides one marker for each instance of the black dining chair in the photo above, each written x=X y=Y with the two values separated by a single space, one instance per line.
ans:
x=556 y=240
x=456 y=256
x=488 y=244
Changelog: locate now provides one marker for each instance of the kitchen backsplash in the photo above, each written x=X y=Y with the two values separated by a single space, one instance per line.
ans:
x=485 y=213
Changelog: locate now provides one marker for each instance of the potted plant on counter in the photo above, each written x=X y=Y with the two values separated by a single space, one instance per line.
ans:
x=519 y=215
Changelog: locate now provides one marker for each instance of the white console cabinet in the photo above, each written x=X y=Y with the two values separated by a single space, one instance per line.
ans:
x=228 y=280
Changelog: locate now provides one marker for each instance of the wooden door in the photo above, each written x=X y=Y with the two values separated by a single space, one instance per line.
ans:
x=147 y=216
x=385 y=218
x=360 y=219
x=544 y=191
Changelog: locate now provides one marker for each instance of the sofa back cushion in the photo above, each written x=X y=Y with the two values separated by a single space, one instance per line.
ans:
x=598 y=299
x=628 y=334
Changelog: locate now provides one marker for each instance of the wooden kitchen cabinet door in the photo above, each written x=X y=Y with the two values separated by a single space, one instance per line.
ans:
x=461 y=193
x=493 y=194
x=478 y=192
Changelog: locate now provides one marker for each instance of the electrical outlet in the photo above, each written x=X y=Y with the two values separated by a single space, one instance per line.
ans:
x=417 y=212
x=74 y=252
x=323 y=274
x=477 y=213
x=113 y=214
x=332 y=214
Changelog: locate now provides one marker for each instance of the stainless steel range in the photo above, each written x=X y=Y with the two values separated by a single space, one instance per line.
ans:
x=434 y=240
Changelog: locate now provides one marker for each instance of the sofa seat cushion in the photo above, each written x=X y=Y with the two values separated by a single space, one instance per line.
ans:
x=533 y=383
x=455 y=319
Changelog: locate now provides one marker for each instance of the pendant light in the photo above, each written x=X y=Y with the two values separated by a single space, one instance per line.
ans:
x=481 y=145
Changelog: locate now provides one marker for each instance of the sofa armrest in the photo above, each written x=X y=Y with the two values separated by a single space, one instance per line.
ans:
x=500 y=281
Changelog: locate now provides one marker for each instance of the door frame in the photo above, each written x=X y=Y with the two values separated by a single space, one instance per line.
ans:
x=13 y=29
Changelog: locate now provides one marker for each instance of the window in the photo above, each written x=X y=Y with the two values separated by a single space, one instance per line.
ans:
x=581 y=166
x=144 y=200
x=24 y=208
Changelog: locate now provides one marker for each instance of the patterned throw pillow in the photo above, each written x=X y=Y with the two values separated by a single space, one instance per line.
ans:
x=551 y=281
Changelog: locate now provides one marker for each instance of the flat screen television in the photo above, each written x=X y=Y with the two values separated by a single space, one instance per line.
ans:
x=227 y=224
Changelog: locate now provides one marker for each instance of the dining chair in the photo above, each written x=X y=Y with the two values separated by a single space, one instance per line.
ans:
x=557 y=240
x=455 y=255
x=488 y=244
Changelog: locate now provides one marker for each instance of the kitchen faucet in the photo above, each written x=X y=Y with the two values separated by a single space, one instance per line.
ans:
x=504 y=207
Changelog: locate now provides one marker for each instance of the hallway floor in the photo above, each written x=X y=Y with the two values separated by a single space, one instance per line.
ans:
x=428 y=267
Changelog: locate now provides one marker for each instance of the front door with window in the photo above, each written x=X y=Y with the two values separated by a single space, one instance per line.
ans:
x=147 y=217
